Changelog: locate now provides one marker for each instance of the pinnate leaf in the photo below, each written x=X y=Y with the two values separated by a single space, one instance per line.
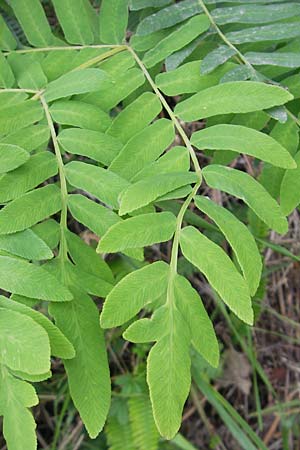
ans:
x=169 y=383
x=175 y=160
x=88 y=372
x=146 y=191
x=188 y=78
x=138 y=231
x=243 y=186
x=272 y=32
x=102 y=183
x=7 y=39
x=75 y=21
x=167 y=17
x=24 y=278
x=32 y=18
x=97 y=218
x=30 y=208
x=136 y=116
x=77 y=82
x=243 y=140
x=94 y=216
x=19 y=335
x=142 y=286
x=18 y=424
x=11 y=157
x=203 y=335
x=220 y=271
x=35 y=171
x=28 y=138
x=93 y=144
x=80 y=114
x=232 y=97
x=143 y=148
x=113 y=21
x=25 y=244
x=176 y=40
x=85 y=257
x=59 y=344
x=239 y=237
x=16 y=116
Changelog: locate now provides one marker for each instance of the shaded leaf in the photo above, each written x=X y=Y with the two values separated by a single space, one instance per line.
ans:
x=124 y=84
x=203 y=335
x=97 y=218
x=75 y=21
x=7 y=78
x=188 y=78
x=28 y=138
x=7 y=39
x=32 y=18
x=176 y=40
x=85 y=258
x=175 y=160
x=113 y=21
x=215 y=58
x=28 y=71
x=273 y=32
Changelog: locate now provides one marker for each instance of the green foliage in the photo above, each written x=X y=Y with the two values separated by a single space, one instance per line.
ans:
x=87 y=135
x=211 y=260
x=231 y=97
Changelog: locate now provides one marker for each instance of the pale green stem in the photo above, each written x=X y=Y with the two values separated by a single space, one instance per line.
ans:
x=63 y=250
x=99 y=58
x=28 y=91
x=59 y=48
x=223 y=37
x=170 y=112
x=185 y=205
x=175 y=245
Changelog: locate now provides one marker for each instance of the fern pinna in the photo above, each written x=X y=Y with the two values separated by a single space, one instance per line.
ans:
x=87 y=131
